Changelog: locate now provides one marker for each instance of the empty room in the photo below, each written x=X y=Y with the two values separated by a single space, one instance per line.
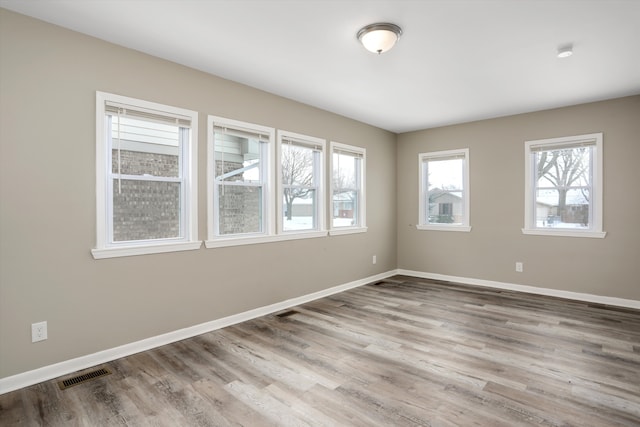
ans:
x=319 y=213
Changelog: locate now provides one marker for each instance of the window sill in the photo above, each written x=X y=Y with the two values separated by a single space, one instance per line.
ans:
x=347 y=230
x=255 y=240
x=563 y=232
x=115 y=252
x=431 y=227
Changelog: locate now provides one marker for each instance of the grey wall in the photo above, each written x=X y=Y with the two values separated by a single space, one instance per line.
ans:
x=609 y=266
x=48 y=80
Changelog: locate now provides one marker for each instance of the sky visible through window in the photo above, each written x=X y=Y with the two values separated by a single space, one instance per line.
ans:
x=445 y=174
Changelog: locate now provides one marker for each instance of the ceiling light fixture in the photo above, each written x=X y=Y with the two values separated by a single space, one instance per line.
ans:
x=565 y=51
x=379 y=38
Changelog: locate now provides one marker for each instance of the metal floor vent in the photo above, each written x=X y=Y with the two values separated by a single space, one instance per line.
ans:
x=83 y=378
x=287 y=313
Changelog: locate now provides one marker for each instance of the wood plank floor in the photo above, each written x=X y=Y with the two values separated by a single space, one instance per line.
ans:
x=404 y=352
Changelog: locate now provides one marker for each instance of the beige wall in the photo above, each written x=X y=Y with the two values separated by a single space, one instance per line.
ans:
x=606 y=267
x=48 y=80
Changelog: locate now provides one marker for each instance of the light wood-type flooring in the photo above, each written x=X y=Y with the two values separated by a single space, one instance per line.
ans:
x=403 y=352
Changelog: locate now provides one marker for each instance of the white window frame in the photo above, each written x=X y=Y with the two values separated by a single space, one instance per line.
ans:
x=214 y=240
x=362 y=154
x=596 y=223
x=424 y=158
x=318 y=145
x=105 y=246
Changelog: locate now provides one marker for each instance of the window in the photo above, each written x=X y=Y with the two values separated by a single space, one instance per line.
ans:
x=239 y=181
x=564 y=186
x=301 y=195
x=146 y=177
x=347 y=189
x=444 y=190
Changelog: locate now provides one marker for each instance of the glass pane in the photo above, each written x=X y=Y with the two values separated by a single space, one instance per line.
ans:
x=345 y=171
x=346 y=184
x=445 y=175
x=240 y=209
x=345 y=209
x=563 y=208
x=563 y=182
x=445 y=191
x=237 y=158
x=142 y=147
x=145 y=210
x=299 y=207
x=297 y=165
x=563 y=168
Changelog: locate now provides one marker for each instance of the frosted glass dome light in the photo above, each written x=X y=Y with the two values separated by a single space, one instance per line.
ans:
x=379 y=38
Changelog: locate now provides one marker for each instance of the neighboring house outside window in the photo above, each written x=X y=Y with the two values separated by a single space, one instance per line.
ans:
x=446 y=210
x=146 y=178
x=348 y=197
x=563 y=179
x=444 y=190
x=239 y=162
x=301 y=184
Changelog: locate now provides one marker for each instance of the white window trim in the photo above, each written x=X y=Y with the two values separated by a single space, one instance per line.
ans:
x=268 y=233
x=596 y=230
x=422 y=157
x=106 y=249
x=362 y=203
x=321 y=229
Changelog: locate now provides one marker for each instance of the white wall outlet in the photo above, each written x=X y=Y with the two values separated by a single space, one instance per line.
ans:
x=374 y=259
x=519 y=267
x=38 y=331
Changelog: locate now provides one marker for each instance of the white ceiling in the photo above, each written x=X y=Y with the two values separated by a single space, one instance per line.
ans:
x=457 y=61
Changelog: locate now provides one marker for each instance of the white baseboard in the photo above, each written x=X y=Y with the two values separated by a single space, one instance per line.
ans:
x=619 y=302
x=69 y=366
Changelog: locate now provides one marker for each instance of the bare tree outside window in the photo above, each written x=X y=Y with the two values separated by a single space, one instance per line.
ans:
x=563 y=184
x=346 y=189
x=564 y=188
x=297 y=175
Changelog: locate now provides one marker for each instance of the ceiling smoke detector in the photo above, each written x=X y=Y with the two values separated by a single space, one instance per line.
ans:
x=565 y=51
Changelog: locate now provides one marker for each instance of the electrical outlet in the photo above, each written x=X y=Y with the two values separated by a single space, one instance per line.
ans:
x=374 y=260
x=519 y=267
x=38 y=331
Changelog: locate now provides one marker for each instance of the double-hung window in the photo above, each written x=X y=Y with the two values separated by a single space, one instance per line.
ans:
x=239 y=182
x=444 y=190
x=348 y=205
x=301 y=195
x=563 y=185
x=146 y=178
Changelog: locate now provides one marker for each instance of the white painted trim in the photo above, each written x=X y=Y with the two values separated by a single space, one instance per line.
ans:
x=564 y=232
x=49 y=372
x=597 y=187
x=319 y=172
x=422 y=191
x=56 y=370
x=361 y=152
x=189 y=205
x=145 y=249
x=579 y=296
x=433 y=227
x=267 y=165
x=222 y=242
